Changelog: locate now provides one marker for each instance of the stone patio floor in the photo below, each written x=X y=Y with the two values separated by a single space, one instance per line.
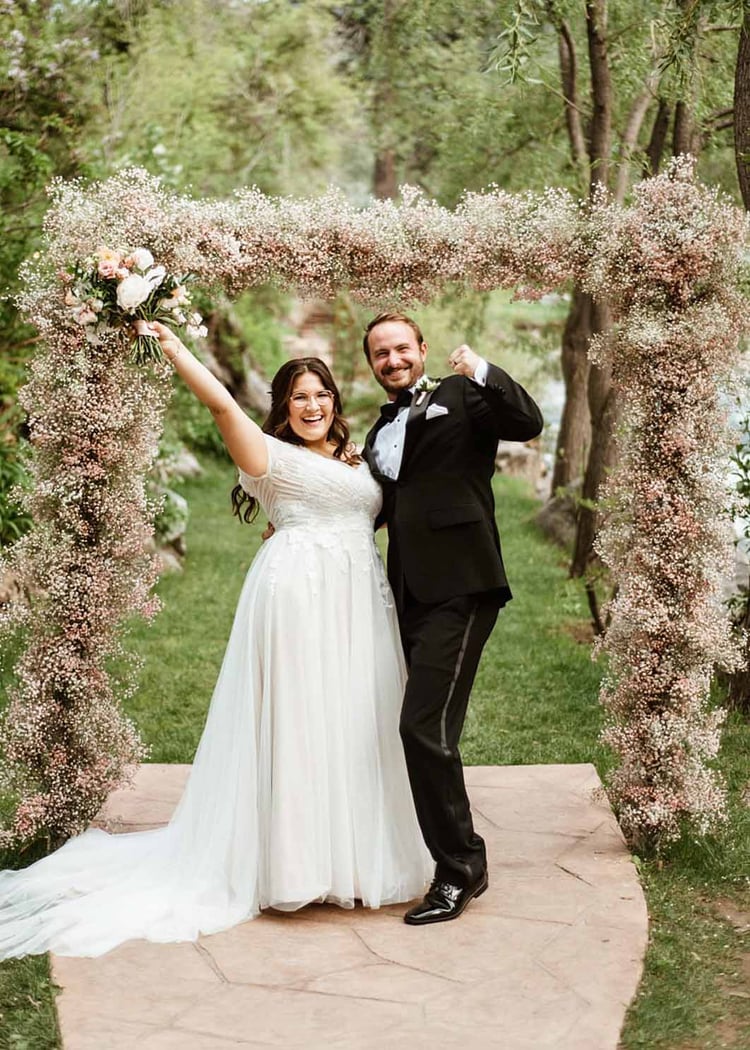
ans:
x=549 y=957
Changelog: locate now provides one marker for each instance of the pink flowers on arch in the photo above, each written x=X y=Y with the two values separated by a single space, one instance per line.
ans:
x=113 y=288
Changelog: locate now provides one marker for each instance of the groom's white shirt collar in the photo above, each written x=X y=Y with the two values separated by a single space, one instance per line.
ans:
x=388 y=446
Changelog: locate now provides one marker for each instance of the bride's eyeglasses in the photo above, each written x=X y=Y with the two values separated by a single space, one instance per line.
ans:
x=323 y=399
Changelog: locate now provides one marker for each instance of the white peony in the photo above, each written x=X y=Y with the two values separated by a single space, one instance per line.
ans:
x=132 y=291
x=155 y=276
x=142 y=258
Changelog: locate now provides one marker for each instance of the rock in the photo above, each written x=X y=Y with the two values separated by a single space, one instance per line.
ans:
x=521 y=461
x=168 y=557
x=185 y=464
x=256 y=393
x=10 y=588
x=224 y=354
x=307 y=316
x=169 y=560
x=557 y=518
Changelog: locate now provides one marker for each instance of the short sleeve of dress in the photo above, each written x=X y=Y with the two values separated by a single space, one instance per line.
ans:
x=249 y=482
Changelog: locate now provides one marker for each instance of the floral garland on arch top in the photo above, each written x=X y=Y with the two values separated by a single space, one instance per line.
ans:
x=95 y=419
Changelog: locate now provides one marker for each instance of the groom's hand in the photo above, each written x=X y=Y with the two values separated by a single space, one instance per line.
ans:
x=464 y=361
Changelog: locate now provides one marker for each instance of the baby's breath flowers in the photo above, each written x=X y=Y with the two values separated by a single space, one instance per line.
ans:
x=669 y=266
x=114 y=287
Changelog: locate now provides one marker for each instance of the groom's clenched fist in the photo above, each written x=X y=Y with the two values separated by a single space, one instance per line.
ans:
x=464 y=361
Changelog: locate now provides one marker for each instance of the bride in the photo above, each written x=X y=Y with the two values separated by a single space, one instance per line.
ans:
x=298 y=791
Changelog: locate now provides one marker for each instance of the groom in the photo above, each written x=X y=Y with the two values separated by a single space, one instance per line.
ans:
x=433 y=450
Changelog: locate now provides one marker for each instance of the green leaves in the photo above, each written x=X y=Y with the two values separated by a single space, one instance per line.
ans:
x=512 y=54
x=14 y=519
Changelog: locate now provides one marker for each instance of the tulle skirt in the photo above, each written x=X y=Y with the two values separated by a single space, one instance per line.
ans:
x=298 y=791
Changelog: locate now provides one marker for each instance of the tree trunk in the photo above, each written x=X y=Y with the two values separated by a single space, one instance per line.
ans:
x=658 y=140
x=738 y=682
x=600 y=140
x=569 y=79
x=384 y=174
x=603 y=408
x=682 y=141
x=386 y=51
x=574 y=437
x=601 y=400
x=742 y=111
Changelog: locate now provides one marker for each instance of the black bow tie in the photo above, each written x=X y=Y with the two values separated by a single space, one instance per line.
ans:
x=391 y=410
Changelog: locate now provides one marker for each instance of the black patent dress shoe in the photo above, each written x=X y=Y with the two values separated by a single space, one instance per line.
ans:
x=444 y=901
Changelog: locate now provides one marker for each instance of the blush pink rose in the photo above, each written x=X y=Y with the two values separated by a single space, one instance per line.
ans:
x=109 y=262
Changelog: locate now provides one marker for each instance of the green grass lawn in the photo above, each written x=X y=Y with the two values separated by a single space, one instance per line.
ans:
x=535 y=700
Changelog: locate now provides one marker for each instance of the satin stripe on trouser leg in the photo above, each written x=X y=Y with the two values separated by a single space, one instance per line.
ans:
x=443 y=643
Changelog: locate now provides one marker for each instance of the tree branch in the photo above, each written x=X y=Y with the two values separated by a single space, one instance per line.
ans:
x=569 y=77
x=629 y=139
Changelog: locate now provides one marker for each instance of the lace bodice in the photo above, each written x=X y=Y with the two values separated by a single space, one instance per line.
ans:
x=301 y=489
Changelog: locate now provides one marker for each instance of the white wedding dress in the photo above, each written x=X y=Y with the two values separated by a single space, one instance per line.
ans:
x=298 y=791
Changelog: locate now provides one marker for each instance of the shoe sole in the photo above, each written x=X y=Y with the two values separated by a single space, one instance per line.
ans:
x=447 y=918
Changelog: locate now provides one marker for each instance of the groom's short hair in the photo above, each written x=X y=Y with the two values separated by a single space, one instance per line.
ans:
x=389 y=316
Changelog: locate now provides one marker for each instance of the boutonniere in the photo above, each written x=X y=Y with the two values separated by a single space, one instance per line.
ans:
x=424 y=386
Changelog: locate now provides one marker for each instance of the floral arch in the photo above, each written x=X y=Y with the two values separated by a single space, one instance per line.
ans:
x=670 y=265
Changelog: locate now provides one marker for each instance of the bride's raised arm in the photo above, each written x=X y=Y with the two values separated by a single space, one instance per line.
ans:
x=243 y=438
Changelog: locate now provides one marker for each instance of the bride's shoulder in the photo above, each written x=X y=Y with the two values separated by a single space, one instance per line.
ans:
x=278 y=448
x=284 y=457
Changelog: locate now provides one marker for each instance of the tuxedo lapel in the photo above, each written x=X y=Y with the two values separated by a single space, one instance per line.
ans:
x=367 y=453
x=415 y=422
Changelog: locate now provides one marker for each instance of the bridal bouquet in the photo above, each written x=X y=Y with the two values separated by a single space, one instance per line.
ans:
x=114 y=288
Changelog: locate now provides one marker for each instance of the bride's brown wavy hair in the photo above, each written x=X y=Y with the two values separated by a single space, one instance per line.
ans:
x=277 y=423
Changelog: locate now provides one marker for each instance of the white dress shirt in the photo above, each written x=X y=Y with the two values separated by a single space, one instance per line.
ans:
x=388 y=446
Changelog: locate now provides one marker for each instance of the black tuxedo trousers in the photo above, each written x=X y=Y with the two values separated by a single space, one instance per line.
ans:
x=443 y=642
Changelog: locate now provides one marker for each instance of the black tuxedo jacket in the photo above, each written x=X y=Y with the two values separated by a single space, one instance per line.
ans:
x=442 y=537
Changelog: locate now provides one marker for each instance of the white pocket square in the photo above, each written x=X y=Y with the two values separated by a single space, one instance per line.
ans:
x=435 y=410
